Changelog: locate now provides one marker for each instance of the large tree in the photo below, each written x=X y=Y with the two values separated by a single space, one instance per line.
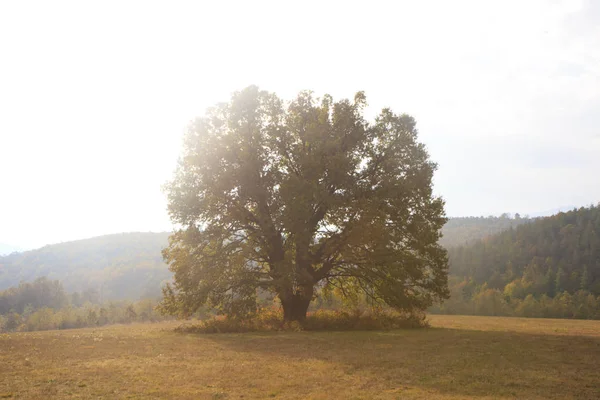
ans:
x=290 y=197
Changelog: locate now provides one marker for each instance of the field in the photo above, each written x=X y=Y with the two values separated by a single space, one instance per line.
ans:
x=459 y=358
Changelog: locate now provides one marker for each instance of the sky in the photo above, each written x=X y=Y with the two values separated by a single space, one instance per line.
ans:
x=95 y=97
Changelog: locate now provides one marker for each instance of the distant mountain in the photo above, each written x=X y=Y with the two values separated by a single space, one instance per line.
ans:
x=8 y=249
x=119 y=266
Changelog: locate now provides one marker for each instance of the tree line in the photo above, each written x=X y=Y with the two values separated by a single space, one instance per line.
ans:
x=468 y=298
x=549 y=267
x=548 y=256
x=461 y=231
x=44 y=305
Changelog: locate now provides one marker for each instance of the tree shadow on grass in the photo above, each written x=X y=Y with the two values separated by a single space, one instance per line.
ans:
x=435 y=362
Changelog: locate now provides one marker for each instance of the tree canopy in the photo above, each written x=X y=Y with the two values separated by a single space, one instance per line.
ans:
x=287 y=197
x=461 y=231
x=548 y=256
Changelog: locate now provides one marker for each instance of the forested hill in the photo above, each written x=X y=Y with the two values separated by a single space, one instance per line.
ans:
x=546 y=256
x=463 y=230
x=119 y=266
x=130 y=265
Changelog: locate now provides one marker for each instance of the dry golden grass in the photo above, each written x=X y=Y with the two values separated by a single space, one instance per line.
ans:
x=459 y=358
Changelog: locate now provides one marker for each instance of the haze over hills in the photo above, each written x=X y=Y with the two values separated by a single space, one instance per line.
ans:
x=463 y=230
x=119 y=266
x=130 y=265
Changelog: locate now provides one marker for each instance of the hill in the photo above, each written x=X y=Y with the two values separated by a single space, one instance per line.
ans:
x=463 y=230
x=130 y=265
x=119 y=266
x=546 y=256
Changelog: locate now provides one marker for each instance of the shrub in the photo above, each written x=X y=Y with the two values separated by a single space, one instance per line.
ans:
x=79 y=317
x=362 y=320
x=271 y=319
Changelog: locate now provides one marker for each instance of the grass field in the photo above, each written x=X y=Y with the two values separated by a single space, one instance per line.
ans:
x=459 y=358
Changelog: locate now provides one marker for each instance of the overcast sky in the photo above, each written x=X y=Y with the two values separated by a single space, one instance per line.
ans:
x=95 y=96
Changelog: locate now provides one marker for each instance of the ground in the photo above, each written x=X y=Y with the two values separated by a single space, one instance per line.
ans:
x=460 y=357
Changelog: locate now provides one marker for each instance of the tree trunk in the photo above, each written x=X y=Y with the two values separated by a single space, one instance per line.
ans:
x=296 y=305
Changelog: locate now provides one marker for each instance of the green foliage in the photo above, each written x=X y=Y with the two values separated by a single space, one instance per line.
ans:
x=549 y=255
x=585 y=278
x=489 y=302
x=44 y=305
x=517 y=301
x=560 y=277
x=121 y=266
x=466 y=230
x=40 y=293
x=90 y=315
x=285 y=197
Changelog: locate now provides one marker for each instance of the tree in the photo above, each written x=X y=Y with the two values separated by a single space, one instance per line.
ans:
x=550 y=282
x=293 y=197
x=13 y=320
x=584 y=278
x=130 y=313
x=560 y=280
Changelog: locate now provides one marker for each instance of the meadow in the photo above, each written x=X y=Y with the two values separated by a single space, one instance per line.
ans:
x=459 y=357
